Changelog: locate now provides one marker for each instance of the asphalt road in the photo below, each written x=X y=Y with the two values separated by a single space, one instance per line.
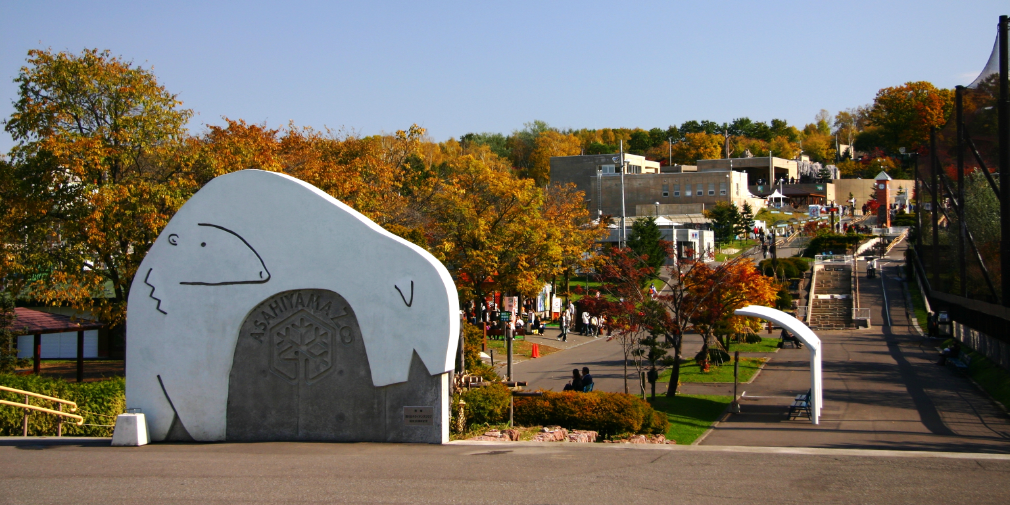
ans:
x=475 y=474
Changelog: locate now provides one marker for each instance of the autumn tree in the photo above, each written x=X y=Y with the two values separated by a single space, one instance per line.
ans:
x=901 y=116
x=697 y=146
x=87 y=191
x=548 y=144
x=623 y=276
x=715 y=295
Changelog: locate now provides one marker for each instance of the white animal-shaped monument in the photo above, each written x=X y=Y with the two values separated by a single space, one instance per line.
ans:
x=268 y=310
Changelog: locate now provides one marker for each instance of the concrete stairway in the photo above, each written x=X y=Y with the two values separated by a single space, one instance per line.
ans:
x=832 y=313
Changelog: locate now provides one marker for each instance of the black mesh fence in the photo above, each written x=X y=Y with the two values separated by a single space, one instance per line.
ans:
x=964 y=214
x=962 y=255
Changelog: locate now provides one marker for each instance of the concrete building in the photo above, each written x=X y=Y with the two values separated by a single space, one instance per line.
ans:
x=677 y=190
x=764 y=168
x=580 y=170
x=690 y=241
x=863 y=190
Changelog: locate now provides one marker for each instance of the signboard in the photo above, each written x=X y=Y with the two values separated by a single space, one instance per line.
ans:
x=556 y=304
x=419 y=416
x=509 y=303
x=504 y=316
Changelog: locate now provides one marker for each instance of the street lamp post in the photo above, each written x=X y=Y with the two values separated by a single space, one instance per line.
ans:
x=622 y=236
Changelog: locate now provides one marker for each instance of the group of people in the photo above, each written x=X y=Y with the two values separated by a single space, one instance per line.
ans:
x=581 y=383
x=590 y=325
x=536 y=326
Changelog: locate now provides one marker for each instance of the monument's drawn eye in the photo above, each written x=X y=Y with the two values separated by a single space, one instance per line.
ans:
x=173 y=239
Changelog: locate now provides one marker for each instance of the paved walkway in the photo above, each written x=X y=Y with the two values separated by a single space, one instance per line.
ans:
x=596 y=474
x=881 y=390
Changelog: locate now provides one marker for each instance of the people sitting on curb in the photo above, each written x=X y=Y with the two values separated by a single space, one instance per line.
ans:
x=587 y=380
x=576 y=382
x=949 y=352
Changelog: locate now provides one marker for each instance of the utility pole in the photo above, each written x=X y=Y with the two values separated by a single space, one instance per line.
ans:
x=670 y=145
x=622 y=237
x=1003 y=109
x=962 y=230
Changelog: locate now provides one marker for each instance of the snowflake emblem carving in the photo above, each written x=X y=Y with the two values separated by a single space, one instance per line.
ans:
x=302 y=348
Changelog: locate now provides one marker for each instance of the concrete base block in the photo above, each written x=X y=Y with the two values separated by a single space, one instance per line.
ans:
x=131 y=431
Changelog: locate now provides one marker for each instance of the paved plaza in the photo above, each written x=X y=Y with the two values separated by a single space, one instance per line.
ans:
x=895 y=428
x=33 y=472
x=882 y=389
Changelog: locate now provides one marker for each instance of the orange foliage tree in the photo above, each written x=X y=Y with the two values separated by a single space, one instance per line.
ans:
x=715 y=295
x=86 y=190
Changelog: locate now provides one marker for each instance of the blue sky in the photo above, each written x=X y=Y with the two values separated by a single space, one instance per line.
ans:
x=456 y=67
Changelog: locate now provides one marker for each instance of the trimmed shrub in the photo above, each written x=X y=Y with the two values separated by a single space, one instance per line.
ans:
x=487 y=405
x=791 y=268
x=836 y=243
x=751 y=338
x=98 y=402
x=606 y=413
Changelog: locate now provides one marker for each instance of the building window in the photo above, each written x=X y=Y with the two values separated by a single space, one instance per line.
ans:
x=687 y=190
x=607 y=169
x=699 y=190
x=711 y=189
x=722 y=188
x=676 y=190
x=634 y=169
x=666 y=190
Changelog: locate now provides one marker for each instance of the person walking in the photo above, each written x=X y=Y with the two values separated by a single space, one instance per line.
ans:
x=564 y=327
x=594 y=327
x=585 y=323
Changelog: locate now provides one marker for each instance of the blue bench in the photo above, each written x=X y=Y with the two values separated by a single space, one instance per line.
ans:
x=800 y=406
x=961 y=362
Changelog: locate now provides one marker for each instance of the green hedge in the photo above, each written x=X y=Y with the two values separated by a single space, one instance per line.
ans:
x=836 y=243
x=791 y=268
x=607 y=413
x=98 y=402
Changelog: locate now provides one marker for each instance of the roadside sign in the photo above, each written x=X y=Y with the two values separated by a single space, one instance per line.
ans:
x=504 y=316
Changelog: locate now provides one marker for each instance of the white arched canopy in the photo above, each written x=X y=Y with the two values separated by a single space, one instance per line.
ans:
x=808 y=337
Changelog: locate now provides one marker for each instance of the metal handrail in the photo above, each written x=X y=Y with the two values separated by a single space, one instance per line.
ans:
x=80 y=420
x=73 y=405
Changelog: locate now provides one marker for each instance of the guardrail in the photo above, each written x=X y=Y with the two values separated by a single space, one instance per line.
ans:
x=832 y=258
x=860 y=314
x=61 y=402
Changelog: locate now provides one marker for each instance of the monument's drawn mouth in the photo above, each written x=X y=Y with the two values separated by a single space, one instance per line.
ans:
x=263 y=274
x=151 y=294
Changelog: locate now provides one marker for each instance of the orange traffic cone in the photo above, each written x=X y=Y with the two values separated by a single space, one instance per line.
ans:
x=535 y=351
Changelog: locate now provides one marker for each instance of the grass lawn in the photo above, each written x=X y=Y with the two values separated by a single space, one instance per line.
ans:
x=917 y=303
x=773 y=219
x=993 y=379
x=766 y=345
x=689 y=371
x=519 y=348
x=690 y=415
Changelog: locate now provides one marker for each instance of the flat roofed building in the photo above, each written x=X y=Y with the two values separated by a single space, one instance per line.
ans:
x=764 y=168
x=681 y=189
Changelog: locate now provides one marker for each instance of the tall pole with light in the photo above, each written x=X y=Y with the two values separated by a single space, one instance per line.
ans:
x=624 y=216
